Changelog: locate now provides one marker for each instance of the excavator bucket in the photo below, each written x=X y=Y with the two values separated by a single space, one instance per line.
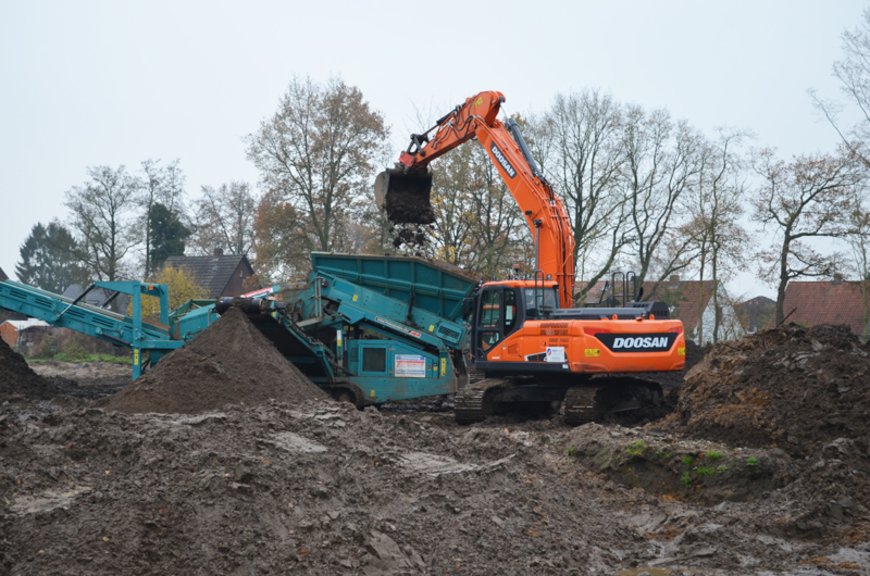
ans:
x=405 y=197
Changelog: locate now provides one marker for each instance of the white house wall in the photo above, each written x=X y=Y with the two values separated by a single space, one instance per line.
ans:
x=729 y=328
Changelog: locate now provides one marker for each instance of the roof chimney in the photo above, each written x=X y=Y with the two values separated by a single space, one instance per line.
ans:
x=674 y=278
x=837 y=278
x=218 y=252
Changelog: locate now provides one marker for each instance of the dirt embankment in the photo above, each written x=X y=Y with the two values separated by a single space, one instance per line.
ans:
x=16 y=377
x=317 y=487
x=19 y=382
x=230 y=363
x=794 y=388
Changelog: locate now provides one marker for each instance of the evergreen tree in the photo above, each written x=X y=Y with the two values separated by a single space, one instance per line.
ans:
x=50 y=259
x=167 y=233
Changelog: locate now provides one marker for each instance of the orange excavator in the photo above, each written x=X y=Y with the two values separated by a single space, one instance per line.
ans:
x=533 y=347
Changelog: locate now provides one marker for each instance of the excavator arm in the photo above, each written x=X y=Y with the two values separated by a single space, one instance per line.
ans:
x=544 y=212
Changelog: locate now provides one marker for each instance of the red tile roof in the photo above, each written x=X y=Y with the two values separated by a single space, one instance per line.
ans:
x=755 y=314
x=593 y=296
x=814 y=303
x=688 y=297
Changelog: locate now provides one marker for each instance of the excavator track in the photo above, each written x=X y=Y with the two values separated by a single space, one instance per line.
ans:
x=470 y=403
x=621 y=399
x=579 y=405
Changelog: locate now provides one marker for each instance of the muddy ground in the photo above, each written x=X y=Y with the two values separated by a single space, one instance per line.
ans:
x=317 y=487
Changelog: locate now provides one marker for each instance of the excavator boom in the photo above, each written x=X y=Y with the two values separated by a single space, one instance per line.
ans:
x=404 y=191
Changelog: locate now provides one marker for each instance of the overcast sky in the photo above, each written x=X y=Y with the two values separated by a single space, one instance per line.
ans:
x=87 y=83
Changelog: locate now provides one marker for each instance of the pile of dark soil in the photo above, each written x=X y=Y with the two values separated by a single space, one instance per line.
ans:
x=17 y=379
x=407 y=197
x=671 y=381
x=790 y=387
x=230 y=363
x=319 y=488
x=323 y=488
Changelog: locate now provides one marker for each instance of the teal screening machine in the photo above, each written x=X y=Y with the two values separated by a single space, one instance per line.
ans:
x=371 y=329
x=368 y=329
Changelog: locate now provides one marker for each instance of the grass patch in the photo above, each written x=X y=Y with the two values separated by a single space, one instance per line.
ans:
x=663 y=454
x=687 y=460
x=752 y=462
x=636 y=448
x=81 y=358
x=571 y=451
x=713 y=455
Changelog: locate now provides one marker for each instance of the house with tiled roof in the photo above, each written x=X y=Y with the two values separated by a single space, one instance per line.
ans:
x=220 y=274
x=594 y=295
x=688 y=300
x=692 y=302
x=755 y=314
x=810 y=303
x=14 y=332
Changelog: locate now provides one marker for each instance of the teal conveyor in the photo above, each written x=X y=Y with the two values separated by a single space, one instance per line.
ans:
x=148 y=341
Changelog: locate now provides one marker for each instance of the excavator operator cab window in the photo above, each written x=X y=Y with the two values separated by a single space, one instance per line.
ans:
x=489 y=319
x=497 y=316
x=490 y=310
x=539 y=300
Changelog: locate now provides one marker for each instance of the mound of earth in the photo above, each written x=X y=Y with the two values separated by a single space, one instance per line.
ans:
x=17 y=379
x=791 y=387
x=324 y=488
x=230 y=363
x=317 y=488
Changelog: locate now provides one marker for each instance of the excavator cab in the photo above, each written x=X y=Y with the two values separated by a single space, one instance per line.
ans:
x=405 y=195
x=501 y=308
x=495 y=318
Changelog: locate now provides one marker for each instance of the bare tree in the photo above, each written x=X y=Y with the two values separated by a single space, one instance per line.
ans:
x=802 y=200
x=662 y=164
x=501 y=236
x=279 y=240
x=714 y=207
x=456 y=182
x=318 y=153
x=853 y=72
x=584 y=162
x=102 y=214
x=225 y=219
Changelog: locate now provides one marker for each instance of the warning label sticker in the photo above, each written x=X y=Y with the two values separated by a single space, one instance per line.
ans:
x=410 y=366
x=555 y=354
